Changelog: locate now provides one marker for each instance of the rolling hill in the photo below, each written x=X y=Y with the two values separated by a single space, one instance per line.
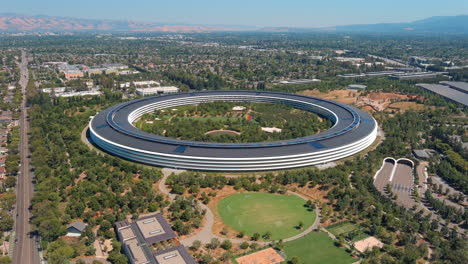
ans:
x=15 y=23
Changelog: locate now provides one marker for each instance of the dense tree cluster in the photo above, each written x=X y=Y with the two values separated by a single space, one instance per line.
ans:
x=450 y=213
x=185 y=215
x=76 y=183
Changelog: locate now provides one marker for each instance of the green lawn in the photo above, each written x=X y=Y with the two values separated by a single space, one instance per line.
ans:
x=265 y=212
x=317 y=247
x=341 y=228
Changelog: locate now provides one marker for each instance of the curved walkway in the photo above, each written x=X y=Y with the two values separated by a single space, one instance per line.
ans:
x=205 y=235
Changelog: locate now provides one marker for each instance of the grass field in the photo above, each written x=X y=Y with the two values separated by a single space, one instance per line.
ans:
x=317 y=247
x=264 y=212
x=341 y=228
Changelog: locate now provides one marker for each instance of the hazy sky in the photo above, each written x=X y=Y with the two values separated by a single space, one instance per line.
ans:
x=300 y=13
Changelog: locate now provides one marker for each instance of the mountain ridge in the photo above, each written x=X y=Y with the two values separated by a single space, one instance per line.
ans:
x=435 y=24
x=10 y=22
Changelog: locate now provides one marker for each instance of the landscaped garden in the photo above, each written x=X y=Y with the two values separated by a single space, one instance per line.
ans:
x=231 y=122
x=271 y=216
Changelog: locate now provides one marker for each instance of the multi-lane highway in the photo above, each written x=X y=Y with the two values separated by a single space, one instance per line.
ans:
x=26 y=248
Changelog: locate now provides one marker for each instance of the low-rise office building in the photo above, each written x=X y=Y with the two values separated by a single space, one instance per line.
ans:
x=299 y=81
x=96 y=71
x=356 y=87
x=139 y=84
x=117 y=66
x=73 y=74
x=416 y=75
x=68 y=92
x=139 y=238
x=157 y=90
x=369 y=74
x=80 y=93
x=54 y=90
x=349 y=59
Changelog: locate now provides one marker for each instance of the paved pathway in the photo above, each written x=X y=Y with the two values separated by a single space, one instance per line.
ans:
x=205 y=235
x=311 y=228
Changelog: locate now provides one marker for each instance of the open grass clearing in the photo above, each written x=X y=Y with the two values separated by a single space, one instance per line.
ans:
x=260 y=213
x=317 y=247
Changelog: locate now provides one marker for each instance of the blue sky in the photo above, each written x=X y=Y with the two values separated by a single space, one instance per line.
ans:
x=299 y=13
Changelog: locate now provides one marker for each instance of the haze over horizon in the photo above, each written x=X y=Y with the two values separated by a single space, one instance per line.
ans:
x=296 y=13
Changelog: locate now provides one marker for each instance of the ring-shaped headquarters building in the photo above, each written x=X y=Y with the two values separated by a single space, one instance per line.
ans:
x=112 y=130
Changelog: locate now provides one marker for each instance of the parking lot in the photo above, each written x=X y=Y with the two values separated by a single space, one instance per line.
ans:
x=399 y=175
x=383 y=176
x=402 y=183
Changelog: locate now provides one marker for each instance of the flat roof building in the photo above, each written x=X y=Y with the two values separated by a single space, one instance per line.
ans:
x=369 y=74
x=139 y=83
x=155 y=229
x=118 y=66
x=175 y=255
x=73 y=74
x=460 y=86
x=447 y=92
x=96 y=71
x=68 y=92
x=416 y=75
x=80 y=93
x=55 y=90
x=138 y=237
x=136 y=253
x=349 y=59
x=299 y=81
x=356 y=87
x=421 y=154
x=157 y=90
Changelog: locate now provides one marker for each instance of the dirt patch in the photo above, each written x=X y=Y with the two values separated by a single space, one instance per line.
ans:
x=381 y=101
x=342 y=96
x=368 y=109
x=314 y=194
x=81 y=177
x=268 y=255
x=405 y=106
x=219 y=225
x=386 y=96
